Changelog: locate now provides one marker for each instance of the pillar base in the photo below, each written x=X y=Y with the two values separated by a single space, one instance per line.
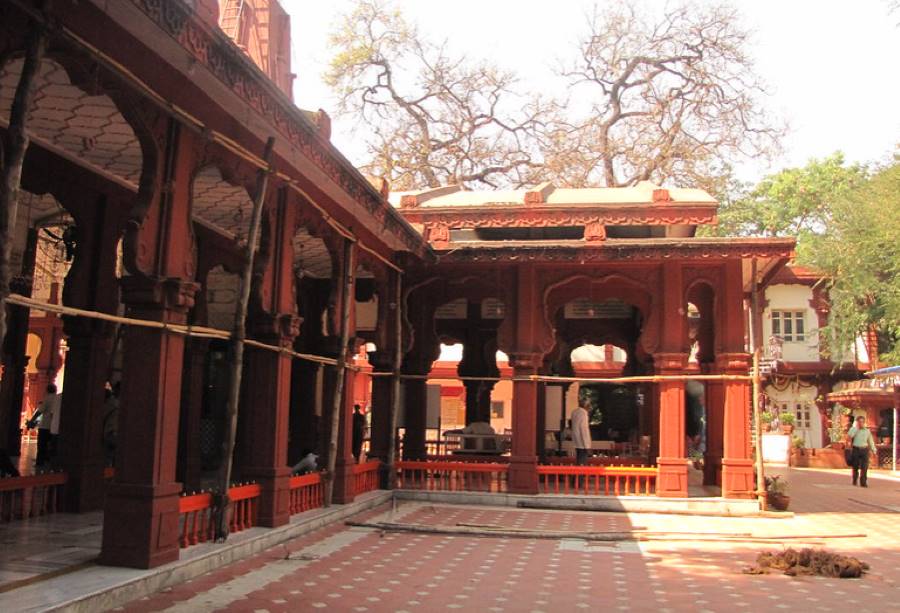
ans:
x=672 y=480
x=344 y=481
x=522 y=477
x=140 y=525
x=274 y=502
x=737 y=478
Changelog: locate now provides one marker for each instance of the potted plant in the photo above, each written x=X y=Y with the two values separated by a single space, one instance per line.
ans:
x=696 y=458
x=836 y=430
x=766 y=418
x=787 y=422
x=776 y=496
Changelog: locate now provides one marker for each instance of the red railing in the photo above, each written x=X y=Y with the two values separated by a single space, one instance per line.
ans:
x=365 y=477
x=452 y=476
x=196 y=513
x=307 y=492
x=597 y=480
x=599 y=461
x=24 y=497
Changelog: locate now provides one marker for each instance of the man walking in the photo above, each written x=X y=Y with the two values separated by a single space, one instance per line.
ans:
x=359 y=431
x=862 y=442
x=581 y=431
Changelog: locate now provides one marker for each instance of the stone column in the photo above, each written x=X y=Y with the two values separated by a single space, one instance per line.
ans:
x=81 y=420
x=140 y=527
x=523 y=461
x=265 y=409
x=415 y=400
x=382 y=397
x=344 y=489
x=737 y=464
x=715 y=428
x=672 y=463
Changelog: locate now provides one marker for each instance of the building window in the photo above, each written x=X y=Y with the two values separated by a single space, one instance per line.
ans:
x=789 y=326
x=802 y=414
x=496 y=409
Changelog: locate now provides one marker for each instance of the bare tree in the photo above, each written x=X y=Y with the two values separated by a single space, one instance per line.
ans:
x=435 y=120
x=674 y=98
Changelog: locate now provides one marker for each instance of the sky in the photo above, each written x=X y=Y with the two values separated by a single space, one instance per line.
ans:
x=832 y=66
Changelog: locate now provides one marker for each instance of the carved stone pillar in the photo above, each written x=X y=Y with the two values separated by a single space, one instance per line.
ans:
x=672 y=463
x=523 y=477
x=344 y=490
x=140 y=527
x=737 y=465
x=382 y=397
x=81 y=419
x=715 y=429
x=265 y=414
x=415 y=400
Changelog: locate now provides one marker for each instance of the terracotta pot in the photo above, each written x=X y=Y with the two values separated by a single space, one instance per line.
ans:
x=787 y=429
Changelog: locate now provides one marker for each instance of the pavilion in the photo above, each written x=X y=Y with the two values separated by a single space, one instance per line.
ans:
x=153 y=138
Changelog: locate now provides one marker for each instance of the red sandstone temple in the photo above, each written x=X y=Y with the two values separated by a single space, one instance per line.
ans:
x=148 y=127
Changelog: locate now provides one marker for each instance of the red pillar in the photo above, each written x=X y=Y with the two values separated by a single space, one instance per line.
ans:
x=672 y=479
x=140 y=527
x=715 y=427
x=343 y=470
x=382 y=396
x=415 y=400
x=81 y=420
x=267 y=390
x=737 y=465
x=522 y=476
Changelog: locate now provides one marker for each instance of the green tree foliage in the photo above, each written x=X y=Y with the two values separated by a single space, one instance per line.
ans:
x=793 y=202
x=860 y=252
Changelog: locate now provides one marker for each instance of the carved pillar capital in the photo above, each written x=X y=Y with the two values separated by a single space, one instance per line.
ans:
x=670 y=363
x=170 y=293
x=733 y=363
x=277 y=328
x=526 y=362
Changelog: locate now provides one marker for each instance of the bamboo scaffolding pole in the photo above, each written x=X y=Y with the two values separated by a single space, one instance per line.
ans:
x=757 y=420
x=14 y=147
x=237 y=350
x=338 y=400
x=185 y=330
x=390 y=471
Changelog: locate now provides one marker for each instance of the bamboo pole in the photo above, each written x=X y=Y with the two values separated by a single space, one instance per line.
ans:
x=13 y=156
x=338 y=400
x=237 y=351
x=757 y=421
x=395 y=383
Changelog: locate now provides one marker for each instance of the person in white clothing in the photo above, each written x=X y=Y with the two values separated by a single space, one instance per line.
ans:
x=46 y=418
x=581 y=431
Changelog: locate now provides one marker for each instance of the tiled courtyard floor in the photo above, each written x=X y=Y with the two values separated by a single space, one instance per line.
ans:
x=340 y=568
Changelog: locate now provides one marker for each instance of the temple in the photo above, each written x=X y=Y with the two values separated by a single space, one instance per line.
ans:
x=155 y=129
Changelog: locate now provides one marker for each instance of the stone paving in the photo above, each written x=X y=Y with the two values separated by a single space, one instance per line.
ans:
x=358 y=569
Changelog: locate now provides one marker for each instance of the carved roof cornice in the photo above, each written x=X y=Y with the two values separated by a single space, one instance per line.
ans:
x=517 y=216
x=215 y=51
x=702 y=249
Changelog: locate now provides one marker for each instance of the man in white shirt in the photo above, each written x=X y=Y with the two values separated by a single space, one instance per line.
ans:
x=47 y=420
x=862 y=442
x=581 y=431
